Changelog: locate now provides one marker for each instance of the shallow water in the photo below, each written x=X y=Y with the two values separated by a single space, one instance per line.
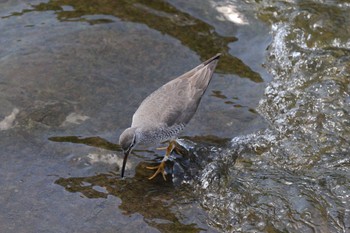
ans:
x=267 y=150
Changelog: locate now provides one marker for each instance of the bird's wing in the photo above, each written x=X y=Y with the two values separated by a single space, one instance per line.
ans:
x=176 y=101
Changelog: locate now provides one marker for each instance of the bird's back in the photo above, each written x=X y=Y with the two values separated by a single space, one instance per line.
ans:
x=176 y=102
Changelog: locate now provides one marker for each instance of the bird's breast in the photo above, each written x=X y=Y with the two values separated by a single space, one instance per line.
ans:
x=154 y=135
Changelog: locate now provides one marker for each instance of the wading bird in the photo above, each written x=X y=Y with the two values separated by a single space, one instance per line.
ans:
x=165 y=112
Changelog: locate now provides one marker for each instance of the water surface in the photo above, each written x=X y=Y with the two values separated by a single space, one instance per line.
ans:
x=267 y=150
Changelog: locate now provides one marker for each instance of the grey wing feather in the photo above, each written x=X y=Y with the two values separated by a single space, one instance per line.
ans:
x=176 y=101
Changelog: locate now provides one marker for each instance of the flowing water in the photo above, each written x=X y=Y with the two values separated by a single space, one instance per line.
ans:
x=267 y=151
x=293 y=177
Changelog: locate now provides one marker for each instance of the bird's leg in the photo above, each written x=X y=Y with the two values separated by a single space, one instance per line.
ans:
x=166 y=147
x=161 y=166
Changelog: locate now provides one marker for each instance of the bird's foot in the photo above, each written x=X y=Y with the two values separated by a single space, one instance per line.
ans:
x=160 y=169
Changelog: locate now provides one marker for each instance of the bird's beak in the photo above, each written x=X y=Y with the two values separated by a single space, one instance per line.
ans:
x=126 y=153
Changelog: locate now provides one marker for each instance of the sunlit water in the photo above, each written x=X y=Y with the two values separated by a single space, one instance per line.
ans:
x=268 y=150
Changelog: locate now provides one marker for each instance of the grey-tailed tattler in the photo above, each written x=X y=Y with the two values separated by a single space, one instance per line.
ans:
x=165 y=112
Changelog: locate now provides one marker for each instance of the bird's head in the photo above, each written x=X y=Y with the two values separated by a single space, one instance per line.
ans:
x=127 y=141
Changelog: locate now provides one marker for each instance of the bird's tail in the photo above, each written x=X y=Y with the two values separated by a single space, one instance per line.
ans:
x=203 y=74
x=208 y=65
x=216 y=57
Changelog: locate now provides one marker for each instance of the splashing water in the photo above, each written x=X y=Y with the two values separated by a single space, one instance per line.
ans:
x=293 y=177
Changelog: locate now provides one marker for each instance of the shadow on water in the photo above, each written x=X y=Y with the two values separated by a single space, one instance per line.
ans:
x=152 y=199
x=154 y=203
x=90 y=141
x=159 y=15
